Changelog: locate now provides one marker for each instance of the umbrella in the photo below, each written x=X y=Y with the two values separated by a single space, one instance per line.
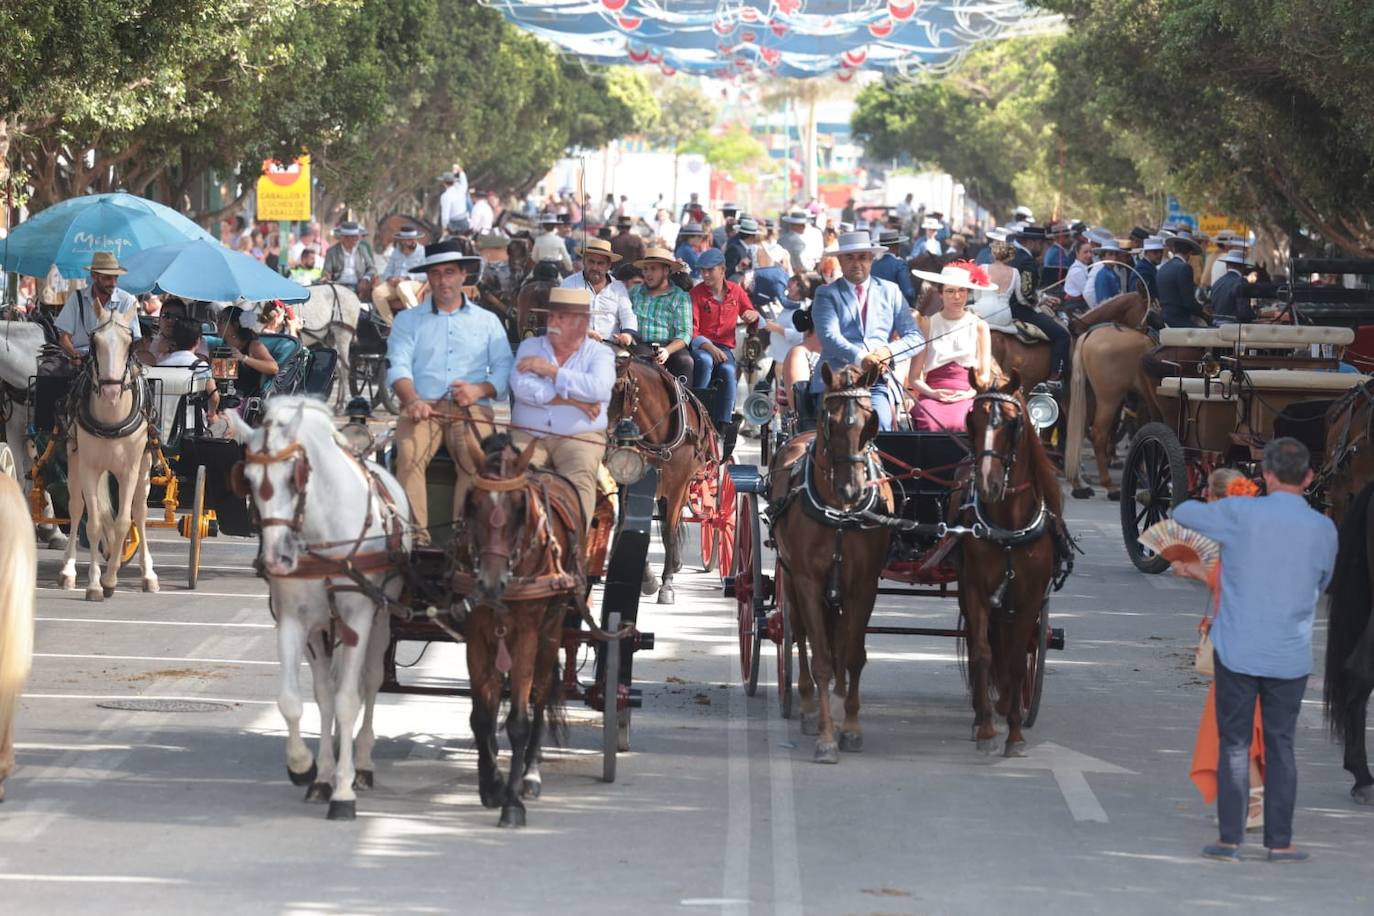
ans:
x=207 y=271
x=70 y=232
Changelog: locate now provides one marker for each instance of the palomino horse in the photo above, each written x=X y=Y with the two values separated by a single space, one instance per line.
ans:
x=1350 y=641
x=1008 y=567
x=330 y=319
x=109 y=440
x=333 y=531
x=520 y=563
x=18 y=572
x=677 y=437
x=820 y=484
x=1031 y=362
x=20 y=342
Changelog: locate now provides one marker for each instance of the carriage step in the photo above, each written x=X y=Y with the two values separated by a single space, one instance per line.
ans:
x=1056 y=640
x=727 y=587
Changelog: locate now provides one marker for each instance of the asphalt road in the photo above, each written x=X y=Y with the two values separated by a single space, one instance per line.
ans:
x=717 y=808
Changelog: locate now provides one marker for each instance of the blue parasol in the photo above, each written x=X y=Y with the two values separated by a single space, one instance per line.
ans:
x=68 y=233
x=207 y=271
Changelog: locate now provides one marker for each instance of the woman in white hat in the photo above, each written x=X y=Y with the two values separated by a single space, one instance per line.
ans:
x=957 y=340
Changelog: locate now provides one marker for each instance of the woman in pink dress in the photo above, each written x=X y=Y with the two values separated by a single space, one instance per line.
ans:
x=957 y=340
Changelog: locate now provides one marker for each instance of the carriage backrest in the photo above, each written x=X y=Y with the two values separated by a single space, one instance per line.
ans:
x=319 y=379
x=804 y=402
x=172 y=388
x=293 y=363
x=939 y=454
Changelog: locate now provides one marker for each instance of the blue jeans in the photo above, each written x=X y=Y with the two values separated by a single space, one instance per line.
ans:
x=1280 y=699
x=707 y=369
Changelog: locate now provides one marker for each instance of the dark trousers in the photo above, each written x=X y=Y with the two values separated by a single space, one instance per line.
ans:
x=1280 y=699
x=1058 y=334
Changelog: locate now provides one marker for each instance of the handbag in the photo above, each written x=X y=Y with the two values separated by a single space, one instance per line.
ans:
x=1204 y=655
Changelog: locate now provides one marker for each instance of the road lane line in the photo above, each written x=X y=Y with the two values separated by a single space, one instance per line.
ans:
x=739 y=812
x=787 y=887
x=155 y=658
x=158 y=623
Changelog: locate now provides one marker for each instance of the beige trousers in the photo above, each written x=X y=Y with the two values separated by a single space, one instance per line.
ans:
x=576 y=459
x=418 y=442
x=408 y=292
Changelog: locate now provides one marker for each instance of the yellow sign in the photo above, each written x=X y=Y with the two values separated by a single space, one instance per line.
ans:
x=284 y=190
x=1212 y=223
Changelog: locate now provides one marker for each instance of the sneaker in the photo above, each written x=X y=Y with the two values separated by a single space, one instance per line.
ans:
x=1222 y=853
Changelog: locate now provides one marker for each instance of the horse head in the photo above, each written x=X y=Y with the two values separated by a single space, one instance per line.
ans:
x=997 y=424
x=847 y=428
x=496 y=510
x=111 y=345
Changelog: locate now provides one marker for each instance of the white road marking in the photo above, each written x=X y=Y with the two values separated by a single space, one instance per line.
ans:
x=157 y=623
x=1068 y=767
x=93 y=879
x=155 y=658
x=787 y=886
x=739 y=812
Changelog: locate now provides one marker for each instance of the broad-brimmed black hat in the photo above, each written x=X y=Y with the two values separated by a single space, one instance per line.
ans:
x=446 y=252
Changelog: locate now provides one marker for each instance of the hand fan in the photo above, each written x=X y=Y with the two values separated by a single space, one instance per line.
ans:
x=1177 y=544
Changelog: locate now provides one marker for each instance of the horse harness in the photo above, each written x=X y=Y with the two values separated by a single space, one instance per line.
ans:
x=131 y=379
x=1347 y=449
x=628 y=386
x=335 y=319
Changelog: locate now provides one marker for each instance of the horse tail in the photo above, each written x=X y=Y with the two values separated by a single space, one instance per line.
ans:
x=106 y=510
x=18 y=582
x=1349 y=607
x=1078 y=416
x=555 y=710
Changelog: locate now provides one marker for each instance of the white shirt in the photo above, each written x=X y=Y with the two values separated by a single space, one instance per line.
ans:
x=482 y=216
x=453 y=202
x=1077 y=280
x=549 y=247
x=79 y=322
x=349 y=273
x=588 y=375
x=668 y=230
x=611 y=310
x=813 y=245
x=952 y=341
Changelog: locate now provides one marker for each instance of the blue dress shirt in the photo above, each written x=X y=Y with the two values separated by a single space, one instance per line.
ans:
x=435 y=349
x=688 y=256
x=1107 y=284
x=1277 y=555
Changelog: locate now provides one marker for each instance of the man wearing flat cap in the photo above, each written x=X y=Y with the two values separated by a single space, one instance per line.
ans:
x=449 y=361
x=561 y=388
x=351 y=263
x=718 y=306
x=80 y=316
x=403 y=285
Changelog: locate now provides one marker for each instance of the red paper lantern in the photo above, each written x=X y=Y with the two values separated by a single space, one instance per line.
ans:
x=902 y=10
x=629 y=23
x=882 y=28
x=614 y=6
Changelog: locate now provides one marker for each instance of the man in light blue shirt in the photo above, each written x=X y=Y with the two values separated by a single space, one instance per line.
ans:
x=402 y=285
x=1277 y=555
x=79 y=316
x=561 y=390
x=449 y=359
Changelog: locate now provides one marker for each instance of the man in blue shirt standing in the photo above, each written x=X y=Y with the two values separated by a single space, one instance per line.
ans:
x=1177 y=291
x=449 y=361
x=891 y=267
x=1056 y=262
x=1277 y=556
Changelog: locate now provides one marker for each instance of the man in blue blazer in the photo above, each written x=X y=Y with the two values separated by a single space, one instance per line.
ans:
x=1177 y=293
x=860 y=318
x=890 y=266
x=1031 y=242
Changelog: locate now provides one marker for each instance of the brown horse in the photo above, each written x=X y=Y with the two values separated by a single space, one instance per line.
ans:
x=1031 y=362
x=1006 y=571
x=677 y=437
x=819 y=483
x=520 y=562
x=1349 y=461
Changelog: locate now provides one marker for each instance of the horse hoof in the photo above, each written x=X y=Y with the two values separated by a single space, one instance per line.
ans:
x=66 y=583
x=666 y=595
x=987 y=746
x=58 y=541
x=1082 y=492
x=343 y=810
x=493 y=796
x=150 y=585
x=648 y=586
x=109 y=590
x=1014 y=749
x=826 y=753
x=95 y=594
x=851 y=742
x=362 y=779
x=319 y=791
x=531 y=789
x=303 y=779
x=811 y=724
x=1114 y=495
x=512 y=817
x=1363 y=795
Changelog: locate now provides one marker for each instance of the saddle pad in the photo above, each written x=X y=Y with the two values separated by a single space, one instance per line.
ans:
x=1030 y=334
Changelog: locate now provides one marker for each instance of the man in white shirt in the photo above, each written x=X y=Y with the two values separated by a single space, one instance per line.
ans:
x=561 y=388
x=483 y=214
x=549 y=246
x=79 y=316
x=454 y=201
x=611 y=314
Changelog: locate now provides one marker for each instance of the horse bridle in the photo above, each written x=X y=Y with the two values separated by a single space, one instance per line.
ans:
x=851 y=398
x=293 y=451
x=995 y=421
x=495 y=547
x=123 y=381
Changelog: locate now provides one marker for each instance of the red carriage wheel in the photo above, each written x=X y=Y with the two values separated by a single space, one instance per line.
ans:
x=784 y=643
x=726 y=520
x=1034 y=682
x=705 y=503
x=748 y=591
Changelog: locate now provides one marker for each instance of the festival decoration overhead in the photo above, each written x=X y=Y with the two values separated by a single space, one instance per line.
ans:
x=747 y=39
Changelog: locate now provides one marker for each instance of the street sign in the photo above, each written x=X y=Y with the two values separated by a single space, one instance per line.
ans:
x=1212 y=223
x=284 y=190
x=1176 y=214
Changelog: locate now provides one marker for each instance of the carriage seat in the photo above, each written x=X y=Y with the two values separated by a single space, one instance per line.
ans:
x=1197 y=389
x=1257 y=336
x=172 y=389
x=1304 y=379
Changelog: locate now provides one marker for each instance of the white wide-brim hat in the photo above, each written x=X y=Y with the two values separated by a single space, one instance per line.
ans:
x=998 y=234
x=855 y=243
x=1153 y=243
x=959 y=277
x=1234 y=257
x=931 y=222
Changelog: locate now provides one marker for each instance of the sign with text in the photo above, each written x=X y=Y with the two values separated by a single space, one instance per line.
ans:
x=1212 y=223
x=284 y=190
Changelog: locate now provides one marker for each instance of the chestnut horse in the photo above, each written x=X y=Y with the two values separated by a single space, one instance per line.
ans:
x=677 y=437
x=1349 y=458
x=1349 y=678
x=820 y=483
x=520 y=562
x=1006 y=570
x=1031 y=362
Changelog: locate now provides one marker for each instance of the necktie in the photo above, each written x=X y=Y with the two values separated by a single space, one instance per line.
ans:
x=863 y=306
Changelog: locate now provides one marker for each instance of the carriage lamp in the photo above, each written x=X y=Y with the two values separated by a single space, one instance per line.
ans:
x=1210 y=366
x=625 y=461
x=224 y=369
x=758 y=407
x=1042 y=407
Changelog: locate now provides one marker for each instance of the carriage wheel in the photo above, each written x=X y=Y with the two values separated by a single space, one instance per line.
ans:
x=784 y=612
x=384 y=395
x=610 y=718
x=1034 y=682
x=1154 y=480
x=197 y=529
x=748 y=574
x=132 y=540
x=726 y=521
x=7 y=463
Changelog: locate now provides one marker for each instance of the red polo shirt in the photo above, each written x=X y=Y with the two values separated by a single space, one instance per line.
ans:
x=715 y=320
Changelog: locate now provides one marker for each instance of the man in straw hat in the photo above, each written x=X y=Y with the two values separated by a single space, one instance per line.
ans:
x=1056 y=261
x=1147 y=263
x=561 y=388
x=613 y=319
x=1177 y=291
x=858 y=316
x=664 y=312
x=1104 y=279
x=351 y=263
x=80 y=316
x=402 y=286
x=718 y=306
x=929 y=244
x=449 y=360
x=1229 y=305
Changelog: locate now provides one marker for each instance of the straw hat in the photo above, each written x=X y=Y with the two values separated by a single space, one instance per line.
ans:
x=569 y=301
x=601 y=247
x=970 y=277
x=104 y=262
x=656 y=255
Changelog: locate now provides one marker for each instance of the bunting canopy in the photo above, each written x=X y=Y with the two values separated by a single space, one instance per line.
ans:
x=785 y=38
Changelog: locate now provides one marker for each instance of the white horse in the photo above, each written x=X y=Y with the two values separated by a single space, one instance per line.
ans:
x=320 y=507
x=330 y=319
x=18 y=571
x=20 y=342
